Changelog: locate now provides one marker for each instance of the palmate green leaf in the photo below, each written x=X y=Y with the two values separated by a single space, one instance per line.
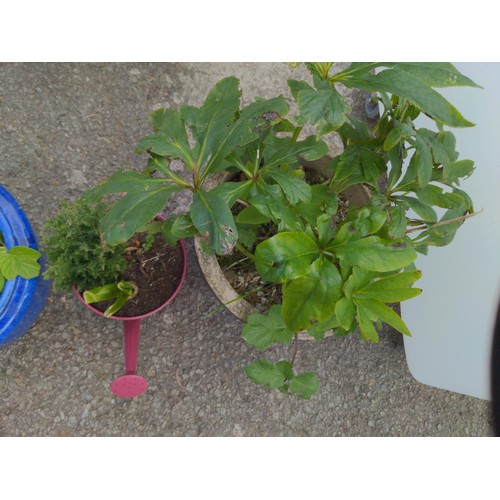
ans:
x=170 y=138
x=444 y=235
x=323 y=201
x=368 y=331
x=182 y=227
x=2 y=281
x=402 y=279
x=216 y=116
x=19 y=261
x=423 y=161
x=214 y=220
x=264 y=372
x=270 y=201
x=376 y=254
x=253 y=121
x=434 y=195
x=386 y=314
x=323 y=106
x=311 y=298
x=367 y=221
x=358 y=164
x=229 y=192
x=435 y=74
x=304 y=384
x=135 y=209
x=454 y=171
x=262 y=330
x=394 y=288
x=397 y=225
x=251 y=215
x=390 y=295
x=412 y=88
x=122 y=182
x=285 y=256
x=286 y=151
x=345 y=312
x=296 y=190
x=426 y=212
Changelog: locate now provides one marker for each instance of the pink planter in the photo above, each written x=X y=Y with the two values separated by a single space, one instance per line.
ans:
x=130 y=384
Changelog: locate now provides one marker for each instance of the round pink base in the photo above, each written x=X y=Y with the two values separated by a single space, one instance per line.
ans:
x=129 y=386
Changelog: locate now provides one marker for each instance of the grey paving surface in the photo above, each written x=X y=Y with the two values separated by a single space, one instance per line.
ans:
x=66 y=126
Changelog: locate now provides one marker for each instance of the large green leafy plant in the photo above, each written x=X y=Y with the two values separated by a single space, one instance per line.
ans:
x=337 y=273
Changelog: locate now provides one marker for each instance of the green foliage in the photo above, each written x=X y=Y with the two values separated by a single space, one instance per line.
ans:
x=120 y=292
x=339 y=265
x=75 y=252
x=18 y=261
x=281 y=376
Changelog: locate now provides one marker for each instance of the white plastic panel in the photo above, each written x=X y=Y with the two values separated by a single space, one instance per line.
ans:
x=452 y=320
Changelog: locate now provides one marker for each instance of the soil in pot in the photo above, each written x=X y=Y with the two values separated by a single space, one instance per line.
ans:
x=157 y=272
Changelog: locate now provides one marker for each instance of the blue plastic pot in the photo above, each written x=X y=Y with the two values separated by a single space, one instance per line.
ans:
x=21 y=300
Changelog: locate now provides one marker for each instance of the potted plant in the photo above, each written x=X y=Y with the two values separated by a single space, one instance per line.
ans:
x=331 y=263
x=126 y=282
x=22 y=293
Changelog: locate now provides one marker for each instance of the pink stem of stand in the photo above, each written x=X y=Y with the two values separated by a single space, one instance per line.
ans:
x=131 y=334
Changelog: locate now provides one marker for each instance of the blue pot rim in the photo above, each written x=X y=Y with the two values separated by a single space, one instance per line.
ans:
x=21 y=300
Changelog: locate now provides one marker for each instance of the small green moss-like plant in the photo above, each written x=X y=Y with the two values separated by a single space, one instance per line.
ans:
x=75 y=251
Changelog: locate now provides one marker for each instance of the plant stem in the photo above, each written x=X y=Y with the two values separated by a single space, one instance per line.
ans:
x=244 y=251
x=296 y=348
x=444 y=222
x=296 y=133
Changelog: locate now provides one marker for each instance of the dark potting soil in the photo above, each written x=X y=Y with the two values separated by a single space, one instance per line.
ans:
x=156 y=272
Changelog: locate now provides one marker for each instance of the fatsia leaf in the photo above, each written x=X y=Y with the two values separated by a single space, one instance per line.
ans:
x=285 y=256
x=264 y=372
x=183 y=227
x=216 y=116
x=170 y=138
x=311 y=298
x=263 y=330
x=456 y=170
x=435 y=74
x=375 y=254
x=214 y=220
x=402 y=279
x=345 y=311
x=412 y=88
x=253 y=121
x=229 y=192
x=122 y=182
x=19 y=261
x=423 y=161
x=135 y=209
x=426 y=212
x=287 y=151
x=386 y=314
x=296 y=190
x=271 y=201
x=323 y=107
x=366 y=327
x=250 y=215
x=304 y=384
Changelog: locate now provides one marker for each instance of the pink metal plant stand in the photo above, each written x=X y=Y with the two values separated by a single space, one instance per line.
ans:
x=130 y=384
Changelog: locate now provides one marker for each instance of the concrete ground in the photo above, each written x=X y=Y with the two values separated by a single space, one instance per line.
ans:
x=67 y=126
